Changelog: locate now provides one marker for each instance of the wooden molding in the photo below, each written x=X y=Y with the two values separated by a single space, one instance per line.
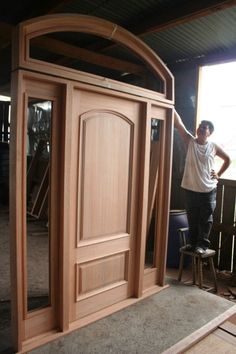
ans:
x=40 y=26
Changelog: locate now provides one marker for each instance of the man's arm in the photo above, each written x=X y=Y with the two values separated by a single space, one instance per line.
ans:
x=184 y=133
x=226 y=162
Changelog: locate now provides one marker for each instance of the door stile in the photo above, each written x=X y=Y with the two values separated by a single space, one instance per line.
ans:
x=154 y=275
x=160 y=201
x=165 y=200
x=143 y=201
x=64 y=254
x=16 y=209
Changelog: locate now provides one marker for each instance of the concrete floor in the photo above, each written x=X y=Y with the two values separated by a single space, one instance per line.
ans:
x=149 y=326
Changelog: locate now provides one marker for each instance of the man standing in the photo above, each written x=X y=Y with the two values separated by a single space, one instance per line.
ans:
x=200 y=181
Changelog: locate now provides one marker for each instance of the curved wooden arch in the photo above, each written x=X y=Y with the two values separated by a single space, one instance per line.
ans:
x=87 y=24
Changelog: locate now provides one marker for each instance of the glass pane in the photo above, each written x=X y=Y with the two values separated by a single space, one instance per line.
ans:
x=38 y=235
x=120 y=63
x=152 y=193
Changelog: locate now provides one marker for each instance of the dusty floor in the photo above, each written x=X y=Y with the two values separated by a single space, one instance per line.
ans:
x=38 y=246
x=147 y=327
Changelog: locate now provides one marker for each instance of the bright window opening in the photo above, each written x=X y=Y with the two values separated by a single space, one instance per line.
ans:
x=217 y=103
x=5 y=98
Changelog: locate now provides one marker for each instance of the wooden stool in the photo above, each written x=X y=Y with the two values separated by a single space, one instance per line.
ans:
x=197 y=262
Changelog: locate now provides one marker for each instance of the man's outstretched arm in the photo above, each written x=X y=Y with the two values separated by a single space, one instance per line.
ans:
x=179 y=125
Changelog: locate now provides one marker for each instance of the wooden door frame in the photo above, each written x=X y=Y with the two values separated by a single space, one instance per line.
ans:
x=39 y=26
x=150 y=99
x=18 y=196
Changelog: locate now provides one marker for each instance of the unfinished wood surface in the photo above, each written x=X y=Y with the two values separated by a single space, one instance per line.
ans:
x=106 y=156
x=33 y=323
x=105 y=142
x=98 y=195
x=232 y=319
x=163 y=189
x=214 y=343
x=224 y=227
x=193 y=340
x=229 y=327
x=228 y=218
x=82 y=23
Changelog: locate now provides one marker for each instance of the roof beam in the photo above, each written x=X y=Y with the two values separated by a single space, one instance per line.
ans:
x=74 y=52
x=49 y=7
x=25 y=10
x=179 y=15
x=173 y=16
x=5 y=34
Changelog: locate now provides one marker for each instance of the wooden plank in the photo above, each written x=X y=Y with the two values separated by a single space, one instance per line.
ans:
x=143 y=192
x=163 y=192
x=186 y=343
x=229 y=327
x=227 y=220
x=6 y=122
x=213 y=343
x=227 y=337
x=215 y=232
x=232 y=319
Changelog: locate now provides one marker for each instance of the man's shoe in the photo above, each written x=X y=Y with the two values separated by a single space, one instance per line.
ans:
x=199 y=250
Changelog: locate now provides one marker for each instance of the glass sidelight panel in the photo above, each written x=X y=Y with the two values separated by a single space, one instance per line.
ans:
x=38 y=149
x=155 y=148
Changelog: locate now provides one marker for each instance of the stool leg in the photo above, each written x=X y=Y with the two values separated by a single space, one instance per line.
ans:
x=213 y=272
x=200 y=276
x=181 y=264
x=194 y=270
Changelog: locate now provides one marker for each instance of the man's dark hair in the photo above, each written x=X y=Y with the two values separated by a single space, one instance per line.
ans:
x=210 y=125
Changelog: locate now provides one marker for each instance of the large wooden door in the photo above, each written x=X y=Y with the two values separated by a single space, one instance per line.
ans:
x=104 y=192
x=98 y=182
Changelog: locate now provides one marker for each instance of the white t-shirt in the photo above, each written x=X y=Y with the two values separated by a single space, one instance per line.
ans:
x=198 y=165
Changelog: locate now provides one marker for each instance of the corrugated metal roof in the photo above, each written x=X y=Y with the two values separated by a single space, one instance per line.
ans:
x=215 y=33
x=200 y=38
x=121 y=12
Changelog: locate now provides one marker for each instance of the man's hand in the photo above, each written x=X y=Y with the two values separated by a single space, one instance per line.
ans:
x=214 y=175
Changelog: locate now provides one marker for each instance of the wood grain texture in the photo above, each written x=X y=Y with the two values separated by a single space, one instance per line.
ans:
x=82 y=23
x=99 y=180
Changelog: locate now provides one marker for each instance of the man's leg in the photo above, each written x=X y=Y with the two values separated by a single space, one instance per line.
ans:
x=192 y=208
x=208 y=204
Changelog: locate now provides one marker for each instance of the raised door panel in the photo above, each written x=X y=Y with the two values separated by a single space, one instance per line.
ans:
x=107 y=139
